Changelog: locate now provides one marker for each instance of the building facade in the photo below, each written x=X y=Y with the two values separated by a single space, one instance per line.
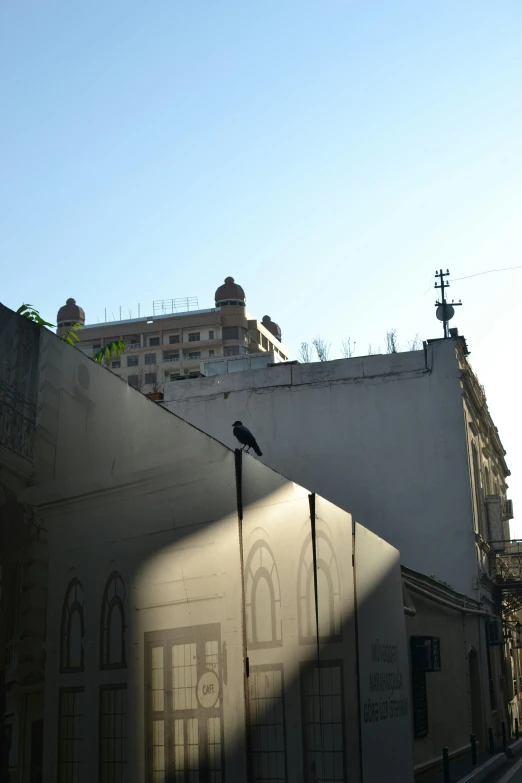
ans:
x=170 y=346
x=406 y=441
x=23 y=557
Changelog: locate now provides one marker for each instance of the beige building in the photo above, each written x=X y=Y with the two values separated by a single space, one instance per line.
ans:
x=169 y=346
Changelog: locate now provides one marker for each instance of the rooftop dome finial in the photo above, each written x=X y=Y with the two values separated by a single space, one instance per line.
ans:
x=70 y=313
x=272 y=327
x=230 y=291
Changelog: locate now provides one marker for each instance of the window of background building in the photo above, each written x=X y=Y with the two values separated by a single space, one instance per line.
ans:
x=211 y=353
x=489 y=489
x=116 y=365
x=96 y=347
x=150 y=358
x=150 y=377
x=132 y=361
x=477 y=481
x=231 y=350
x=194 y=337
x=154 y=341
x=230 y=333
x=174 y=338
x=133 y=380
x=211 y=334
x=194 y=355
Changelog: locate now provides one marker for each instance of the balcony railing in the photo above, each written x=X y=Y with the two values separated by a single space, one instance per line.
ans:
x=130 y=346
x=506 y=569
x=171 y=358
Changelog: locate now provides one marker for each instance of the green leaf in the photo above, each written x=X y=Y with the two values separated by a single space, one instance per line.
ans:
x=32 y=315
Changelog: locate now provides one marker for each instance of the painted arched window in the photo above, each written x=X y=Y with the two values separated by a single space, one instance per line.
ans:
x=328 y=591
x=112 y=642
x=73 y=629
x=262 y=598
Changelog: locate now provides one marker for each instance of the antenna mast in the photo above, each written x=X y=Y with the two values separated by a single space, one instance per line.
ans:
x=445 y=310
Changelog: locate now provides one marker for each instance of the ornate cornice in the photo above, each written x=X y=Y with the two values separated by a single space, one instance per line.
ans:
x=476 y=400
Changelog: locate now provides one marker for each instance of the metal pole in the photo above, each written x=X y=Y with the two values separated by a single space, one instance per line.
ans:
x=473 y=750
x=442 y=286
x=311 y=502
x=516 y=729
x=445 y=763
x=504 y=739
x=491 y=741
x=239 y=501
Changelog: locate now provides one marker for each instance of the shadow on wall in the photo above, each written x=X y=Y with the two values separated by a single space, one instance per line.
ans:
x=149 y=676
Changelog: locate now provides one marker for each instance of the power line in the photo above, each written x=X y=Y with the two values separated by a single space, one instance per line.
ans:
x=506 y=269
x=477 y=274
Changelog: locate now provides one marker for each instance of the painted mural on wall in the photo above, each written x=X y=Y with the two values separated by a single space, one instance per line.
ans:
x=151 y=671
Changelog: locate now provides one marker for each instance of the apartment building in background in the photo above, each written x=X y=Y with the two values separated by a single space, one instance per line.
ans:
x=170 y=345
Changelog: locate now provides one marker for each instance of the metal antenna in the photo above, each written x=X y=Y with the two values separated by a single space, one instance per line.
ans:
x=445 y=310
x=138 y=311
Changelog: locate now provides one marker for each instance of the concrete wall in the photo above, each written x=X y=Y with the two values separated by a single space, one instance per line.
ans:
x=22 y=550
x=381 y=436
x=124 y=487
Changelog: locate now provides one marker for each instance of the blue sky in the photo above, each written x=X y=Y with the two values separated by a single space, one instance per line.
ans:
x=329 y=155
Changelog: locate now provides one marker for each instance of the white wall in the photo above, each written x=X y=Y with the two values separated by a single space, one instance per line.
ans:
x=380 y=436
x=124 y=486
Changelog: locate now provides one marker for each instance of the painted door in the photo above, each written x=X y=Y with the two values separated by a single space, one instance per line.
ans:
x=184 y=721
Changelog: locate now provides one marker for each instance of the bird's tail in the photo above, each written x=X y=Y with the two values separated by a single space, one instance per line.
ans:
x=257 y=450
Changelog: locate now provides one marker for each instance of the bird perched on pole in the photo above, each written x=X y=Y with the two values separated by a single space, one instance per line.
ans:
x=245 y=437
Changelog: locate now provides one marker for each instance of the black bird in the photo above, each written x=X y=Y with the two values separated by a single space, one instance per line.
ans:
x=245 y=437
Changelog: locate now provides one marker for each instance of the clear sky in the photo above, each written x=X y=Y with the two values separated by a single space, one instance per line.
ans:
x=329 y=155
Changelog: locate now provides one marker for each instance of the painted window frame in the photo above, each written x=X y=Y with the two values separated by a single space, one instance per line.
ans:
x=116 y=603
x=252 y=579
x=65 y=628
